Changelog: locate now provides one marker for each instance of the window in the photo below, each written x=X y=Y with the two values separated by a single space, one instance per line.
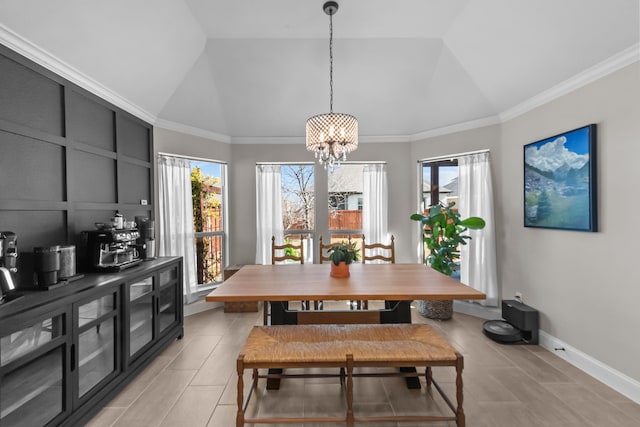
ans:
x=345 y=185
x=207 y=190
x=298 y=204
x=439 y=182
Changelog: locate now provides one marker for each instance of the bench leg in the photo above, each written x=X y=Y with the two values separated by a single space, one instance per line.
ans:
x=460 y=418
x=255 y=378
x=428 y=375
x=350 y=420
x=240 y=396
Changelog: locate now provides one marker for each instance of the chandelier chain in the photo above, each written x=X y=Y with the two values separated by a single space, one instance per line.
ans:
x=331 y=62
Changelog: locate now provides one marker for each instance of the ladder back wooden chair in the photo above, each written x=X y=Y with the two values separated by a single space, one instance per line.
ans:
x=376 y=252
x=324 y=256
x=379 y=251
x=290 y=251
x=287 y=252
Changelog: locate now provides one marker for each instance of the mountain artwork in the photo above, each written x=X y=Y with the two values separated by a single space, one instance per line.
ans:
x=559 y=181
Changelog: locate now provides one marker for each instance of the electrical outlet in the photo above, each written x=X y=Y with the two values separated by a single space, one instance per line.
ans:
x=518 y=297
x=143 y=202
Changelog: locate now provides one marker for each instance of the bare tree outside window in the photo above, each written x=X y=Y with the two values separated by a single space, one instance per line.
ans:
x=298 y=197
x=298 y=205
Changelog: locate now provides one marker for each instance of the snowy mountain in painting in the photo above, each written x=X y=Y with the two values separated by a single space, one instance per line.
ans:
x=555 y=157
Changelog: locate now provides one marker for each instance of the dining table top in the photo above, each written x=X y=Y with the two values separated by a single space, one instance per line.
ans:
x=291 y=282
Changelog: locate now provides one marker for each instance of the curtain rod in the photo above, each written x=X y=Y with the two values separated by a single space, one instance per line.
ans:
x=453 y=156
x=200 y=159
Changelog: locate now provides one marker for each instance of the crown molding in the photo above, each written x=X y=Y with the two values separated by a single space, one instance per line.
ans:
x=459 y=127
x=38 y=55
x=301 y=140
x=590 y=75
x=26 y=48
x=190 y=130
x=267 y=140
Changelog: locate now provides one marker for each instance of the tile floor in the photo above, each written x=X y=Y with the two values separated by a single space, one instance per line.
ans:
x=193 y=383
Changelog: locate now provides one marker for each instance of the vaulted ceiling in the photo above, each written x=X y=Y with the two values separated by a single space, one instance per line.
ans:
x=257 y=69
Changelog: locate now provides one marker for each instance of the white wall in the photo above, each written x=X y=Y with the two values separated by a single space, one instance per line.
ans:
x=584 y=284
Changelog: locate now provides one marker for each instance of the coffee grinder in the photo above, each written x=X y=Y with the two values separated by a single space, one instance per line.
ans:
x=146 y=242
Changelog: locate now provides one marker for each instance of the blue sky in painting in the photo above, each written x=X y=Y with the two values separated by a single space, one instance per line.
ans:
x=577 y=140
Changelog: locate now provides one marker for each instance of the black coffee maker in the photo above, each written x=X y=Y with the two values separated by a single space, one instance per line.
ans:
x=111 y=249
x=8 y=264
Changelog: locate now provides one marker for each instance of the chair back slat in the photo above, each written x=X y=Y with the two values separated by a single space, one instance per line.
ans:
x=389 y=256
x=299 y=249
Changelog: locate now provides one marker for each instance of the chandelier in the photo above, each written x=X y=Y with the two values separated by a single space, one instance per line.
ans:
x=331 y=135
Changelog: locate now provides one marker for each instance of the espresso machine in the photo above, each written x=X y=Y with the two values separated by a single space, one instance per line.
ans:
x=8 y=265
x=112 y=249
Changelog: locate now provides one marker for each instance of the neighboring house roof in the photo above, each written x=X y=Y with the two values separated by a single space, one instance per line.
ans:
x=451 y=188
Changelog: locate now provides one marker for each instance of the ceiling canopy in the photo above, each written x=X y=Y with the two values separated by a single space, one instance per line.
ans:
x=257 y=70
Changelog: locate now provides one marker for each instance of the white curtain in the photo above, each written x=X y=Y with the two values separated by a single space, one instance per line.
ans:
x=374 y=204
x=268 y=210
x=478 y=257
x=176 y=217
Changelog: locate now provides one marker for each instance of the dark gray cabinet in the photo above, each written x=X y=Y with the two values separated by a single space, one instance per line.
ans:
x=34 y=368
x=64 y=353
x=155 y=306
x=96 y=345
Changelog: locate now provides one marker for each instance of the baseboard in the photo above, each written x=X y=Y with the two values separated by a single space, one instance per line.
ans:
x=618 y=381
x=477 y=310
x=199 y=306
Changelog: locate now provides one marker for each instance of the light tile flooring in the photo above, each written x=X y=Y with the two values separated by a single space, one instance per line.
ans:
x=193 y=383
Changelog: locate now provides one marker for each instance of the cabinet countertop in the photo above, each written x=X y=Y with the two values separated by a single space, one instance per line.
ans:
x=32 y=299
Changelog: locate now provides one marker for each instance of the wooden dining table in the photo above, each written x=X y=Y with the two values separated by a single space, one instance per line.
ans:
x=279 y=284
x=396 y=284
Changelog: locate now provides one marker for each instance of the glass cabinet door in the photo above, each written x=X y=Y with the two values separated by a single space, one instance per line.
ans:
x=96 y=344
x=141 y=314
x=168 y=311
x=32 y=380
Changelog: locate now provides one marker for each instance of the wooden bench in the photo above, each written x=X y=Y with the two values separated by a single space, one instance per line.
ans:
x=348 y=347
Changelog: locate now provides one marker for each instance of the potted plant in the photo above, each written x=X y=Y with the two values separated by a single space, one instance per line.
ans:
x=341 y=255
x=443 y=234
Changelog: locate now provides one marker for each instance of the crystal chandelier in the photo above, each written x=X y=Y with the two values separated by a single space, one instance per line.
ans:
x=331 y=135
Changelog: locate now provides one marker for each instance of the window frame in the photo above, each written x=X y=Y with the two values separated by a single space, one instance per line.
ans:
x=206 y=287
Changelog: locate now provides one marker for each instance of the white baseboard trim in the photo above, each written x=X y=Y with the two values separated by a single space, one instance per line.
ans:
x=199 y=306
x=618 y=381
x=477 y=310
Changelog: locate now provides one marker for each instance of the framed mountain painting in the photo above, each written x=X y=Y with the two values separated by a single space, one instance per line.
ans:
x=560 y=181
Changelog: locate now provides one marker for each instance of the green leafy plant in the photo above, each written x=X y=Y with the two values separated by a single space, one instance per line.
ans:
x=344 y=251
x=444 y=234
x=291 y=251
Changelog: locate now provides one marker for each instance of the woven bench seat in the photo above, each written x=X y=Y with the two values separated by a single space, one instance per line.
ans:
x=346 y=347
